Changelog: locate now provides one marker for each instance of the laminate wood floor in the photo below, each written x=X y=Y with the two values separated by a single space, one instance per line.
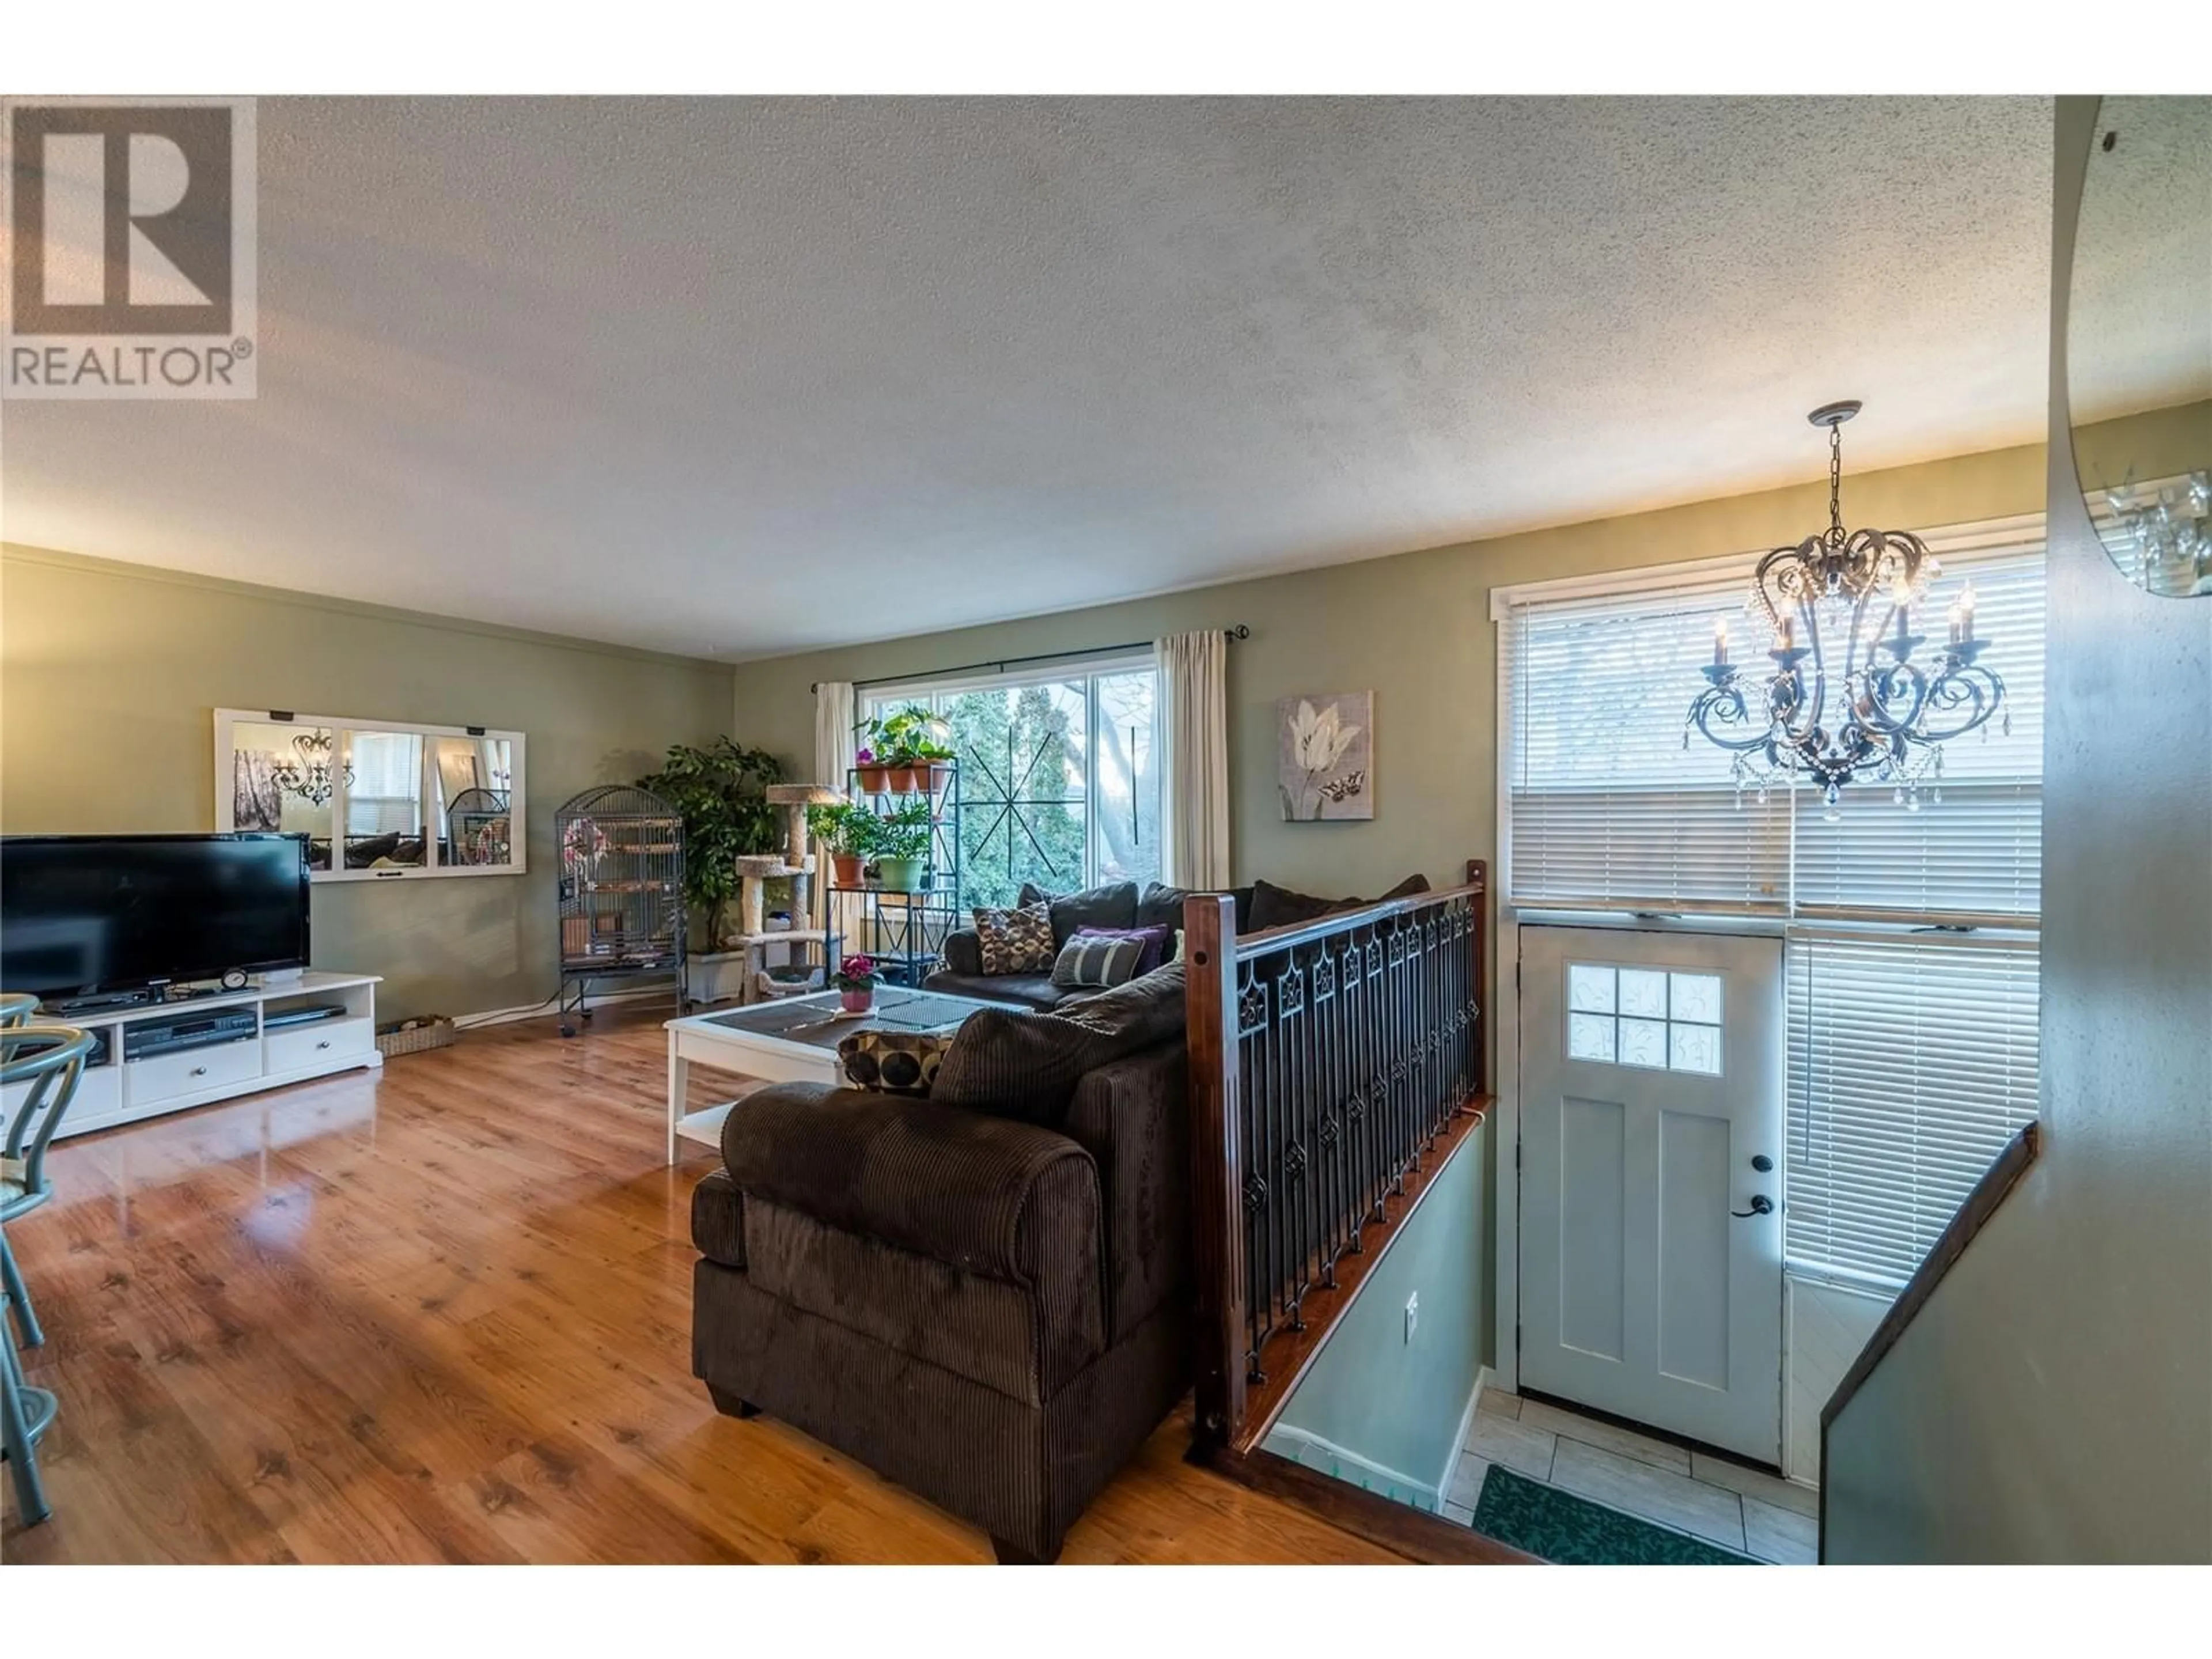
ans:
x=442 y=1314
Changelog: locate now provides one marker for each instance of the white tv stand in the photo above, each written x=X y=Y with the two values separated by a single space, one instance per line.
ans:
x=119 y=1090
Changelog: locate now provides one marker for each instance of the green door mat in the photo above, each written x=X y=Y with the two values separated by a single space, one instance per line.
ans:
x=1558 y=1527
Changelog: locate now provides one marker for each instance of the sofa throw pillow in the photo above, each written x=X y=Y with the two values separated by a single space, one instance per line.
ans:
x=1096 y=960
x=1026 y=1066
x=1114 y=905
x=1156 y=942
x=1162 y=907
x=1016 y=941
x=1281 y=906
x=893 y=1062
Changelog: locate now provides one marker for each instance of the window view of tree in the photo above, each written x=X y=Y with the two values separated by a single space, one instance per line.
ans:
x=1058 y=782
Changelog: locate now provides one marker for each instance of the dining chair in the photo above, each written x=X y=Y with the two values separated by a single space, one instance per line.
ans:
x=47 y=1062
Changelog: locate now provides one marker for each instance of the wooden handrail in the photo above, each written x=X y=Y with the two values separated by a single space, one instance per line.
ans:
x=1336 y=1066
x=1998 y=1179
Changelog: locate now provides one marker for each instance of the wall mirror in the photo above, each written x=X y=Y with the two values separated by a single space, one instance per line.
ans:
x=2139 y=341
x=377 y=800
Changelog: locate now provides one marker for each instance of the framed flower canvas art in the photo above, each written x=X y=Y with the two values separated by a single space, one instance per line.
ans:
x=1325 y=754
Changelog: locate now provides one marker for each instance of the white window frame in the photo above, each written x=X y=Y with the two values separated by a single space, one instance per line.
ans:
x=1974 y=535
x=880 y=698
x=341 y=728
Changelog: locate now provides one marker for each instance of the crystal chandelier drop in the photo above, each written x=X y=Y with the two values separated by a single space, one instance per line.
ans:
x=1846 y=702
x=2162 y=535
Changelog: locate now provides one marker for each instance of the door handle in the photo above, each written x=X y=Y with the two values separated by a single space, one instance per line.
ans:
x=1760 y=1204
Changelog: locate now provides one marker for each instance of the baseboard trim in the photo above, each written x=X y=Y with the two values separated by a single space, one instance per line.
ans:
x=1384 y=1481
x=1483 y=1379
x=546 y=1010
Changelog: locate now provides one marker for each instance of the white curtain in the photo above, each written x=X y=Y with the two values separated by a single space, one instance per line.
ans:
x=834 y=718
x=834 y=748
x=1193 y=671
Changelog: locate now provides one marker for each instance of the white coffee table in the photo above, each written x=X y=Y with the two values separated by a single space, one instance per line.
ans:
x=794 y=1041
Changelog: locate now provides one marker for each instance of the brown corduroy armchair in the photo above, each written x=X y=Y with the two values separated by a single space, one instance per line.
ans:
x=984 y=1295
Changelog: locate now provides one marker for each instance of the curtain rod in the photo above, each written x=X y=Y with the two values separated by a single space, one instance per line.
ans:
x=1001 y=664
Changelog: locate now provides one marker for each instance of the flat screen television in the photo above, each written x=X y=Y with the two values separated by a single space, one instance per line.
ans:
x=91 y=915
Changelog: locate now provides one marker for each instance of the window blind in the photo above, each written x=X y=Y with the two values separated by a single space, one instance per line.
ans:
x=1976 y=854
x=1912 y=1056
x=1913 y=1060
x=1606 y=809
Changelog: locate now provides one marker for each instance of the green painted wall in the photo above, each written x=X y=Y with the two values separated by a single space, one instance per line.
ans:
x=1394 y=1403
x=2053 y=1399
x=110 y=673
x=1415 y=629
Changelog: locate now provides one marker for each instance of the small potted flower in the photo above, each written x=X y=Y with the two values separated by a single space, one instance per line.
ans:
x=875 y=777
x=855 y=980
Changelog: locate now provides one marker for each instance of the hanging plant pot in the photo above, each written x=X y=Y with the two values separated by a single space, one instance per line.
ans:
x=846 y=869
x=874 y=780
x=899 y=875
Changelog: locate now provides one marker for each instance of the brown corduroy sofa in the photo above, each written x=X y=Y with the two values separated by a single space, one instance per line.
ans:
x=983 y=1295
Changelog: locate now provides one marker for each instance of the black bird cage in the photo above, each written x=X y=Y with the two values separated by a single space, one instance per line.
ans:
x=621 y=893
x=478 y=829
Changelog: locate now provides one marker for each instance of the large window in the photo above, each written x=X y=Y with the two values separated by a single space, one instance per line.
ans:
x=1909 y=935
x=1059 y=774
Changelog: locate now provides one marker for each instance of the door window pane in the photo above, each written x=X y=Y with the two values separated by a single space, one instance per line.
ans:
x=1695 y=997
x=1694 y=1049
x=1590 y=988
x=1649 y=1016
x=1643 y=1042
x=1643 y=993
x=1589 y=1037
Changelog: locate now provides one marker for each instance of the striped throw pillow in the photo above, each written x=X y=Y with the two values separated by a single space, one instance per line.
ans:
x=1096 y=960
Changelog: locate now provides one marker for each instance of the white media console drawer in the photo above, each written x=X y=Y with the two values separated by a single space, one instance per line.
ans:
x=159 y=1077
x=125 y=1092
x=296 y=1047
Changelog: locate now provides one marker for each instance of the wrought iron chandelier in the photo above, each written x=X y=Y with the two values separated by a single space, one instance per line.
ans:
x=1846 y=702
x=307 y=774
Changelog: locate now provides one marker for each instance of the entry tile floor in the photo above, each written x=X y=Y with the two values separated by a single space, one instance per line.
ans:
x=1707 y=1497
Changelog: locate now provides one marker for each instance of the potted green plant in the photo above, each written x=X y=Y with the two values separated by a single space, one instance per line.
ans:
x=849 y=833
x=721 y=790
x=904 y=752
x=901 y=845
x=855 y=980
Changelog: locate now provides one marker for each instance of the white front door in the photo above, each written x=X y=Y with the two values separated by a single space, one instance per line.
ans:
x=1651 y=1080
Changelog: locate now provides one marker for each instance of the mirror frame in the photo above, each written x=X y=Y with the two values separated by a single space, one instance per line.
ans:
x=2103 y=498
x=341 y=728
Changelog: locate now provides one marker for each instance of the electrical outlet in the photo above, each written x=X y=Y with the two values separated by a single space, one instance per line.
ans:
x=1412 y=1314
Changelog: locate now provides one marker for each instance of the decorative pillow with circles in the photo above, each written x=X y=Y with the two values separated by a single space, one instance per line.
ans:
x=893 y=1062
x=1016 y=941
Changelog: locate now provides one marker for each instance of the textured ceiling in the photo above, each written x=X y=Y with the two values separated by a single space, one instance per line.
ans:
x=736 y=377
x=2139 y=328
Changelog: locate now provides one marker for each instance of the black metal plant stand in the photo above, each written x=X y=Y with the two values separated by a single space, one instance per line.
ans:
x=903 y=932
